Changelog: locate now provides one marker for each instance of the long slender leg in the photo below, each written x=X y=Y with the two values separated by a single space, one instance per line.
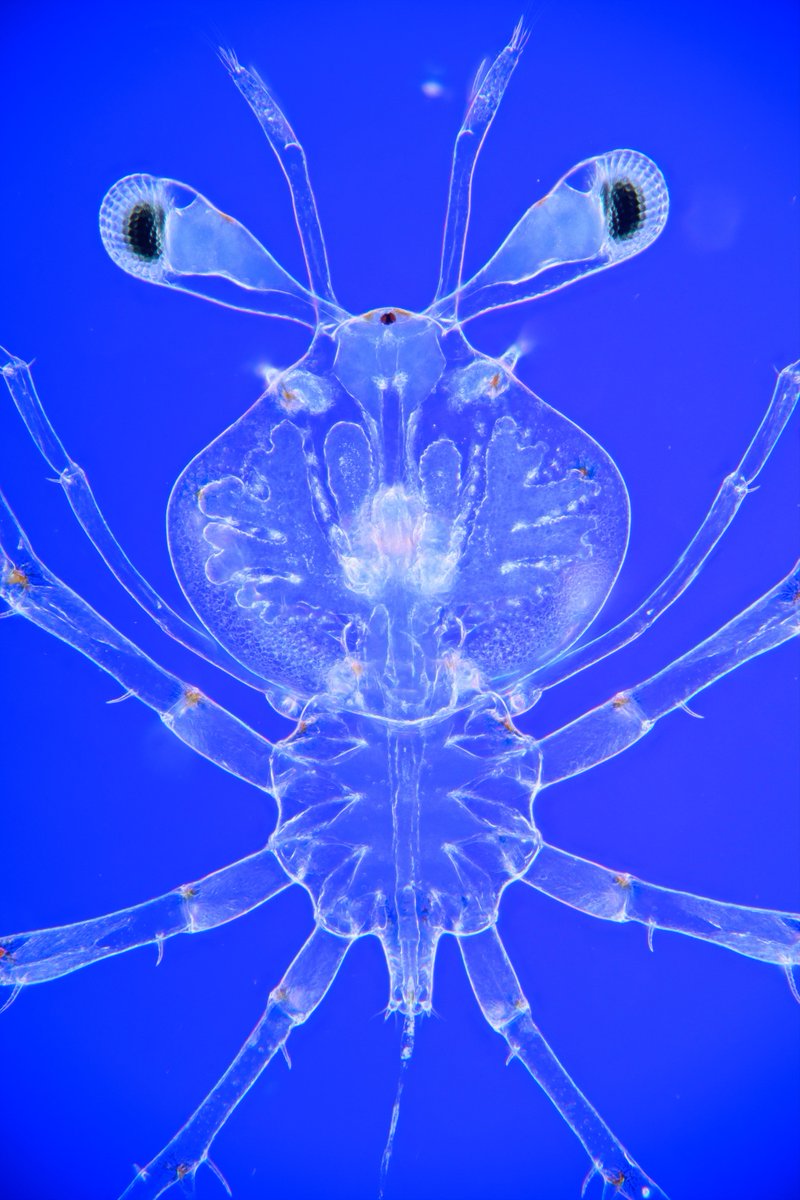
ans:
x=290 y=1003
x=292 y=158
x=31 y=590
x=507 y=1010
x=72 y=478
x=480 y=114
x=628 y=716
x=616 y=896
x=45 y=954
x=735 y=488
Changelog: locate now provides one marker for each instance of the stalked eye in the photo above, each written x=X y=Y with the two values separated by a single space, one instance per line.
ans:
x=143 y=230
x=133 y=223
x=625 y=208
x=604 y=210
x=167 y=233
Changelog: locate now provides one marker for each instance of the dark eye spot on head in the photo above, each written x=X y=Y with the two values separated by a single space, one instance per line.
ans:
x=624 y=208
x=388 y=318
x=143 y=230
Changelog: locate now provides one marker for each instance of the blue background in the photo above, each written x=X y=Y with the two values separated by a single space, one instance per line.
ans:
x=690 y=1053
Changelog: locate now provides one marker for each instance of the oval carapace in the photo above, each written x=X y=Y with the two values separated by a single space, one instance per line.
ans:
x=398 y=522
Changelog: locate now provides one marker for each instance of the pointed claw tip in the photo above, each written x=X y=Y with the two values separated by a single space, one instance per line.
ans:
x=15 y=991
x=213 y=1167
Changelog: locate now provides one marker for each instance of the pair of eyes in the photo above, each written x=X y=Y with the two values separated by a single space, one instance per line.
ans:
x=623 y=203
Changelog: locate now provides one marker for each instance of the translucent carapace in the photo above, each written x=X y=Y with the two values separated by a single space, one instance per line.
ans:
x=401 y=546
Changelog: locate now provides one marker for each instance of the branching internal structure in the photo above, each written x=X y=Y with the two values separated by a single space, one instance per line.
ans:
x=401 y=546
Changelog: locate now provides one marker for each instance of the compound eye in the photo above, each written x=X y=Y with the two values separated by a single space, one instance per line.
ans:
x=625 y=208
x=632 y=199
x=133 y=224
x=143 y=230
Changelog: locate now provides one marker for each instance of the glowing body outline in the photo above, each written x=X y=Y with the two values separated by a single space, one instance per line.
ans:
x=183 y=713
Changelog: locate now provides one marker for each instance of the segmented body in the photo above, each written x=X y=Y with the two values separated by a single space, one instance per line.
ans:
x=396 y=539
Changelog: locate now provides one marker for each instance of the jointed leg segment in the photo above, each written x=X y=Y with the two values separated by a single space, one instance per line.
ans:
x=18 y=379
x=45 y=954
x=623 y=720
x=507 y=1010
x=290 y=1003
x=735 y=488
x=31 y=590
x=615 y=896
